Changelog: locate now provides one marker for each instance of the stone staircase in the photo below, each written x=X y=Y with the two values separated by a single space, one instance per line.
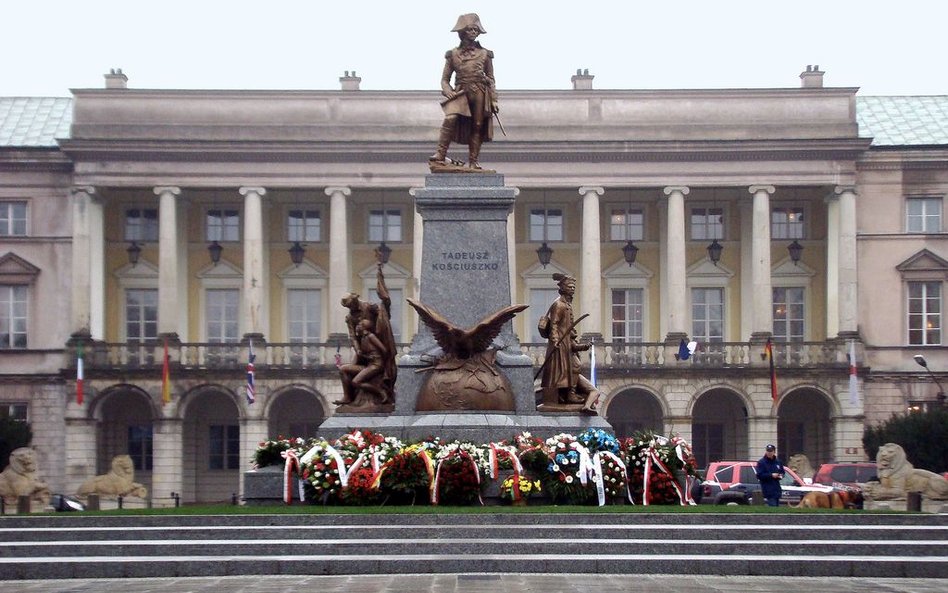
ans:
x=792 y=544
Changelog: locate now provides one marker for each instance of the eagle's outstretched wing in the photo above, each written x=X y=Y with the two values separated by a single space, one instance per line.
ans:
x=482 y=334
x=439 y=326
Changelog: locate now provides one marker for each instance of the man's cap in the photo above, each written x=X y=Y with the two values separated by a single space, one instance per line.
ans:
x=771 y=448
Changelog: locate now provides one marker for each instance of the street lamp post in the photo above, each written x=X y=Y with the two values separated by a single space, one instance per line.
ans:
x=924 y=364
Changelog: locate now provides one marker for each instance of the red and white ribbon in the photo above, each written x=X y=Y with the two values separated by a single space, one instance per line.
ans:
x=600 y=476
x=291 y=467
x=494 y=456
x=464 y=459
x=344 y=472
x=652 y=457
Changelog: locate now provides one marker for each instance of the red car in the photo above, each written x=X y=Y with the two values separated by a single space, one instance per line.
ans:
x=852 y=474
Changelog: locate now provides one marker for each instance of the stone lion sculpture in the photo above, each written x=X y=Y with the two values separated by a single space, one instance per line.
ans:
x=118 y=482
x=20 y=478
x=897 y=477
x=800 y=464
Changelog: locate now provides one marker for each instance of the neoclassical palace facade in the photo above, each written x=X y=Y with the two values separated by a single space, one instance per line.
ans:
x=131 y=218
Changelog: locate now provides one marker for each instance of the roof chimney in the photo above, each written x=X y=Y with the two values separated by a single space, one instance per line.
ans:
x=349 y=81
x=812 y=78
x=115 y=79
x=582 y=80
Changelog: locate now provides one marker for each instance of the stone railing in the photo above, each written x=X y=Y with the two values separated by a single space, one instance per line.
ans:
x=320 y=355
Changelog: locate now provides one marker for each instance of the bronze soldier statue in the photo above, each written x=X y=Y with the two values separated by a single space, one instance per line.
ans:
x=470 y=103
x=562 y=383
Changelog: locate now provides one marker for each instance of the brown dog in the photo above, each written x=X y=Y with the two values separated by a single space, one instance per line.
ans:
x=822 y=500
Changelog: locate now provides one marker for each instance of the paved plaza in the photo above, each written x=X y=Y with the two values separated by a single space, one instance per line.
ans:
x=481 y=583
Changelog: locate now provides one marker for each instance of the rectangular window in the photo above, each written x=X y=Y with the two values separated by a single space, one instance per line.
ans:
x=627 y=320
x=12 y=219
x=223 y=225
x=13 y=316
x=385 y=225
x=303 y=225
x=397 y=307
x=626 y=224
x=707 y=224
x=546 y=224
x=224 y=446
x=786 y=223
x=18 y=411
x=140 y=446
x=141 y=313
x=923 y=215
x=788 y=314
x=222 y=310
x=304 y=307
x=924 y=313
x=141 y=224
x=707 y=314
x=540 y=301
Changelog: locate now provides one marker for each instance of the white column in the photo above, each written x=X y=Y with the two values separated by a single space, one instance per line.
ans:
x=590 y=286
x=832 y=265
x=81 y=263
x=340 y=269
x=676 y=304
x=512 y=253
x=255 y=281
x=848 y=298
x=168 y=459
x=418 y=234
x=763 y=324
x=747 y=296
x=88 y=272
x=170 y=313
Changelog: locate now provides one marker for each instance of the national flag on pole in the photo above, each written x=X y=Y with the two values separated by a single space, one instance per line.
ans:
x=853 y=378
x=251 y=391
x=592 y=365
x=769 y=351
x=683 y=352
x=165 y=378
x=80 y=373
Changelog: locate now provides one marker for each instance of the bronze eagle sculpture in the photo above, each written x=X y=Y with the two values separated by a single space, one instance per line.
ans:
x=465 y=343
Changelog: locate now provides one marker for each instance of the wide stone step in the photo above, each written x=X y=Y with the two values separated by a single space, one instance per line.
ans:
x=87 y=546
x=53 y=567
x=707 y=531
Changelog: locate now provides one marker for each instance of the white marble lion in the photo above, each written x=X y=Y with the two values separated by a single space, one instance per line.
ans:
x=801 y=465
x=897 y=477
x=118 y=482
x=21 y=478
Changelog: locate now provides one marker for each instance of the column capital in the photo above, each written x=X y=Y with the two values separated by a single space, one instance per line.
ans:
x=759 y=188
x=844 y=189
x=585 y=189
x=167 y=189
x=681 y=189
x=247 y=190
x=89 y=190
x=345 y=191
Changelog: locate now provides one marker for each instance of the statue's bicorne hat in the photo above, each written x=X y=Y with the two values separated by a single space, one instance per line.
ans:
x=469 y=20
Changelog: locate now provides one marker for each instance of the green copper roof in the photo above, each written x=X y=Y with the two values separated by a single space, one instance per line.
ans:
x=34 y=121
x=903 y=121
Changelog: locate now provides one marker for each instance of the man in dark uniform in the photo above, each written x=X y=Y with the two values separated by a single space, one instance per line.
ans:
x=770 y=472
x=472 y=100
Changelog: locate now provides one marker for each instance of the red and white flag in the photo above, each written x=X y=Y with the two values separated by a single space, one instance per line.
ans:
x=80 y=373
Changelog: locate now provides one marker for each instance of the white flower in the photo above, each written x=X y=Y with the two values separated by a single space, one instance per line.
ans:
x=569 y=479
x=556 y=468
x=638 y=463
x=560 y=446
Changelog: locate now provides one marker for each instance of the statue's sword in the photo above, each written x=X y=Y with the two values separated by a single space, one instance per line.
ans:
x=549 y=353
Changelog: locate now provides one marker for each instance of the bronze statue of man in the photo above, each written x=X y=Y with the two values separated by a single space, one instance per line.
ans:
x=470 y=103
x=369 y=380
x=562 y=382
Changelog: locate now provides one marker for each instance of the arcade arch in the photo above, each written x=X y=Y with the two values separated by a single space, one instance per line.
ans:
x=124 y=426
x=804 y=425
x=211 y=460
x=719 y=429
x=295 y=411
x=634 y=409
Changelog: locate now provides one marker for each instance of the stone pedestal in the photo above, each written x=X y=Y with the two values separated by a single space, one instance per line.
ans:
x=465 y=275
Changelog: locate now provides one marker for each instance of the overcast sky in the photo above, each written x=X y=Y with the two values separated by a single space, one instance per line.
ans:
x=884 y=47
